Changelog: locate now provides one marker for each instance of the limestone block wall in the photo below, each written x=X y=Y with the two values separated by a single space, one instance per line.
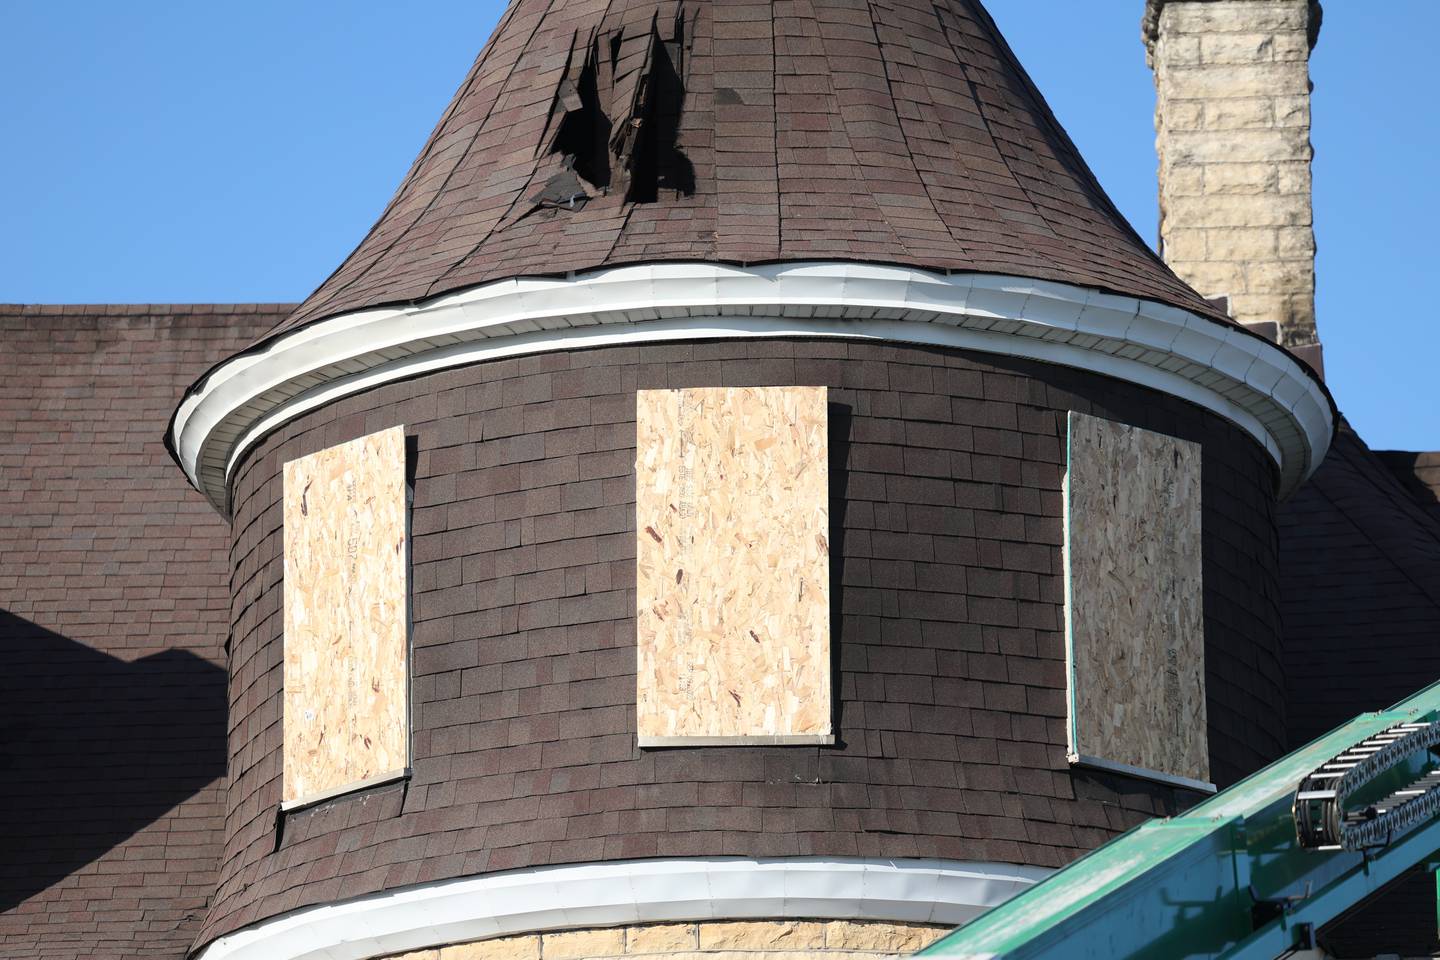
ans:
x=1232 y=123
x=717 y=940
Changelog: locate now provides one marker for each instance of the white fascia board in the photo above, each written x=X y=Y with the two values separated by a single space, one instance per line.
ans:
x=1151 y=344
x=540 y=899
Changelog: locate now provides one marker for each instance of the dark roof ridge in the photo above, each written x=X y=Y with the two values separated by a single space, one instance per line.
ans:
x=1369 y=468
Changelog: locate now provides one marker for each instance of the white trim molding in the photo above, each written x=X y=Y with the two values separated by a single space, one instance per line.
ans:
x=539 y=899
x=742 y=740
x=1247 y=380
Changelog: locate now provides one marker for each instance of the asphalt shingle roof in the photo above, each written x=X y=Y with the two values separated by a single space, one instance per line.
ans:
x=594 y=133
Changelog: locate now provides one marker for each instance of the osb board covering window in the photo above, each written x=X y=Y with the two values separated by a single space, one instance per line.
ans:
x=1134 y=630
x=346 y=560
x=732 y=566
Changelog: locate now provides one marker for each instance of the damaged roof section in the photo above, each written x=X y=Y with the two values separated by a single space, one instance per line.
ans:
x=597 y=133
x=638 y=79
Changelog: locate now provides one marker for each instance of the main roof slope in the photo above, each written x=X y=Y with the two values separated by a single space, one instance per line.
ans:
x=594 y=133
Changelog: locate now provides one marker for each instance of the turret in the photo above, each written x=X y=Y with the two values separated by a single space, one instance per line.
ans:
x=749 y=491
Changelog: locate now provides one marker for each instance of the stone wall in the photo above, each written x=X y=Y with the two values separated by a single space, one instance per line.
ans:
x=1232 y=122
x=717 y=940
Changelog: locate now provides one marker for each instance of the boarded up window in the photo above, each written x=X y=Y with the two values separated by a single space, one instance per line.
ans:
x=732 y=566
x=346 y=617
x=1134 y=631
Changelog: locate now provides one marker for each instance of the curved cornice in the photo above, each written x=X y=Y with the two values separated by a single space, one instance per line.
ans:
x=1242 y=377
x=540 y=899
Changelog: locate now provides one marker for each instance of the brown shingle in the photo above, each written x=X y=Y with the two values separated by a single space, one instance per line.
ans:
x=1360 y=599
x=114 y=597
x=894 y=131
x=948 y=640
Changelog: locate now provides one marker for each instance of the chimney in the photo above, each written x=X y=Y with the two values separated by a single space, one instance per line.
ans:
x=1232 y=128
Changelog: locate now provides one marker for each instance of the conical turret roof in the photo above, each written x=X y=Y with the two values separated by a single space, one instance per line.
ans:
x=594 y=133
x=876 y=168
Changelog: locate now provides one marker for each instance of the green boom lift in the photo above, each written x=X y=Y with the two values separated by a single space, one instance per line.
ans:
x=1251 y=872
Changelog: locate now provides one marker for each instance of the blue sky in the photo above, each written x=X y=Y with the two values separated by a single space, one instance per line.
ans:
x=208 y=152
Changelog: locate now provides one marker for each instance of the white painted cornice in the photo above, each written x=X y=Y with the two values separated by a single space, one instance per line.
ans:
x=539 y=899
x=1247 y=380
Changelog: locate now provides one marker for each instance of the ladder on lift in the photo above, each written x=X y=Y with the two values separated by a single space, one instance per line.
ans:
x=1251 y=872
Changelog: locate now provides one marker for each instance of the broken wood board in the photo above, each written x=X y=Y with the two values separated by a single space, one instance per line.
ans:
x=1134 y=605
x=732 y=566
x=346 y=617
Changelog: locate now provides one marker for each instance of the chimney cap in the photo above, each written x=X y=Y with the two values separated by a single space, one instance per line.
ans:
x=1150 y=22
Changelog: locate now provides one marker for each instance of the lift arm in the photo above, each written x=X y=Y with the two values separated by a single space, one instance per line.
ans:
x=1253 y=871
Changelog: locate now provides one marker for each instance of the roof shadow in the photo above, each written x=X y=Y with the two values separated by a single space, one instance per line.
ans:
x=93 y=748
x=1418 y=473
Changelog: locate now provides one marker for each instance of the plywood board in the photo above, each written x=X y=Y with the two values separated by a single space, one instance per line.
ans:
x=1135 y=636
x=346 y=616
x=732 y=566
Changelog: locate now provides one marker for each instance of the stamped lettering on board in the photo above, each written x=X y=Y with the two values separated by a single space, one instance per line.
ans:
x=732 y=566
x=346 y=617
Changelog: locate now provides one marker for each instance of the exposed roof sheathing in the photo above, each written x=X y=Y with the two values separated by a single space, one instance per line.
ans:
x=593 y=133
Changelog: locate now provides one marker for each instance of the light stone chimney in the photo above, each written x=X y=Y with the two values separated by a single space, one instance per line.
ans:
x=1232 y=125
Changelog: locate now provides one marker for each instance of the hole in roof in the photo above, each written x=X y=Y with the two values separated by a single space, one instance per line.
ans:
x=642 y=84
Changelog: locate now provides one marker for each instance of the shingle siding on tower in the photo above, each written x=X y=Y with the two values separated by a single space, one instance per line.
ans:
x=113 y=619
x=946 y=508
